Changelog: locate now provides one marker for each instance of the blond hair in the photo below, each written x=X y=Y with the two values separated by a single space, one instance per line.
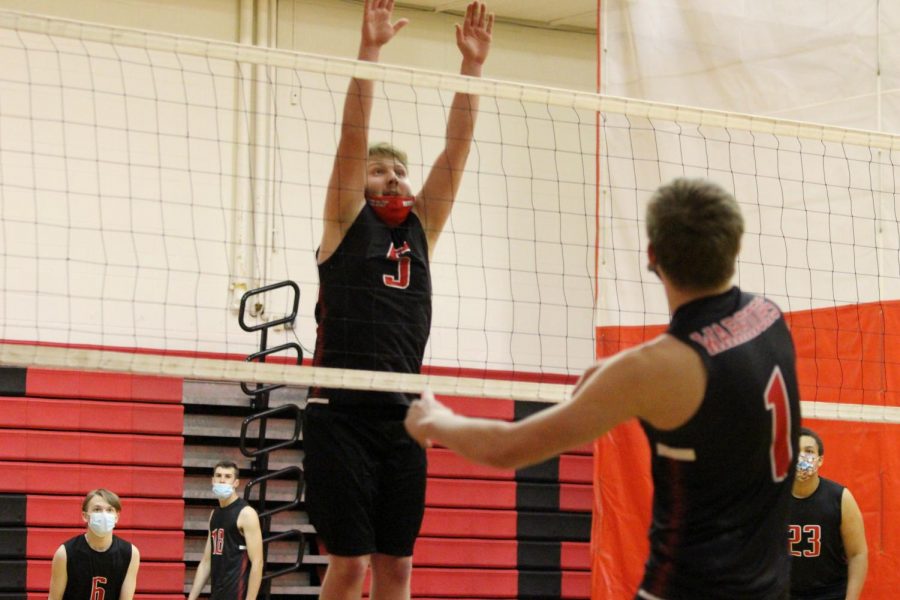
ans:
x=110 y=497
x=386 y=150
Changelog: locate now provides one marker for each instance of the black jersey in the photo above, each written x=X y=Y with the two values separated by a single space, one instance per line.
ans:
x=93 y=575
x=374 y=307
x=818 y=557
x=722 y=481
x=230 y=565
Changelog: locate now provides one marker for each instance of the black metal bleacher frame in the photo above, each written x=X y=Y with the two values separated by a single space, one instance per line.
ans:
x=259 y=402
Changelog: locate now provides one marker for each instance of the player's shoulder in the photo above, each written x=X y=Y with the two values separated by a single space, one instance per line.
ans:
x=666 y=351
x=248 y=512
x=73 y=543
x=665 y=379
x=832 y=486
x=60 y=554
x=663 y=354
x=661 y=362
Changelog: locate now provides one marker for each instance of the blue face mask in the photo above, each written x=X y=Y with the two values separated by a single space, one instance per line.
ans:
x=102 y=523
x=223 y=491
x=806 y=464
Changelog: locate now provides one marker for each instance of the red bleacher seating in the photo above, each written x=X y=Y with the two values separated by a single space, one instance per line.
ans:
x=63 y=433
x=75 y=415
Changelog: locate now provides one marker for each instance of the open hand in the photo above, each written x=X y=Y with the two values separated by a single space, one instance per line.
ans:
x=473 y=37
x=377 y=29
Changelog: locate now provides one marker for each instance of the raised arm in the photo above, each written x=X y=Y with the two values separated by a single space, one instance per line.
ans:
x=853 y=534
x=433 y=205
x=346 y=188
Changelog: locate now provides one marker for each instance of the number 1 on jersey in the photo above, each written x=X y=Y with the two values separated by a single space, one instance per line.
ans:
x=777 y=401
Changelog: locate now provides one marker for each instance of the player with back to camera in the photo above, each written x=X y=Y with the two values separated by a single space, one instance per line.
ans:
x=716 y=395
x=365 y=477
x=96 y=563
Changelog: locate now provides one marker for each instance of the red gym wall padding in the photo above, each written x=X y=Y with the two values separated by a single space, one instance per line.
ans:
x=492 y=533
x=502 y=534
x=72 y=415
x=63 y=433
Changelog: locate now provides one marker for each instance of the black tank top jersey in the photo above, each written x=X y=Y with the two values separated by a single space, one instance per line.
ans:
x=722 y=481
x=818 y=558
x=230 y=568
x=94 y=575
x=374 y=307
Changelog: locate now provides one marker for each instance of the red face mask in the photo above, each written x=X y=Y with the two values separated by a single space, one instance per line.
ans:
x=392 y=210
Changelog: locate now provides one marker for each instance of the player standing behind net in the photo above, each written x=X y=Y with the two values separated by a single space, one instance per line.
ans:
x=365 y=477
x=717 y=398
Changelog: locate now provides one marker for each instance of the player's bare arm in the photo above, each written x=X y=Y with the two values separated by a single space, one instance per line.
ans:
x=130 y=582
x=346 y=188
x=434 y=202
x=248 y=524
x=58 y=574
x=661 y=382
x=853 y=535
x=203 y=570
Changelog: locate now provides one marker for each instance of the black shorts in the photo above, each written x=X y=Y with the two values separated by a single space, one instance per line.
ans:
x=365 y=482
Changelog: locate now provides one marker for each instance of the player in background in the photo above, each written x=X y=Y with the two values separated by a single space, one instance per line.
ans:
x=96 y=563
x=826 y=536
x=233 y=557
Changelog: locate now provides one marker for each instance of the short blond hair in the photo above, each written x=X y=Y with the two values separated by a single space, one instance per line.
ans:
x=386 y=150
x=110 y=497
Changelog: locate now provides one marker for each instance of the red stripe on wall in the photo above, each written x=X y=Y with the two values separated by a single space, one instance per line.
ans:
x=479 y=407
x=469 y=523
x=575 y=498
x=466 y=583
x=575 y=556
x=122 y=417
x=444 y=463
x=102 y=386
x=466 y=553
x=848 y=354
x=91 y=448
x=137 y=513
x=55 y=478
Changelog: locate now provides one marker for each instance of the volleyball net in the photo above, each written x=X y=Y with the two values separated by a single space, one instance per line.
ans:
x=147 y=181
